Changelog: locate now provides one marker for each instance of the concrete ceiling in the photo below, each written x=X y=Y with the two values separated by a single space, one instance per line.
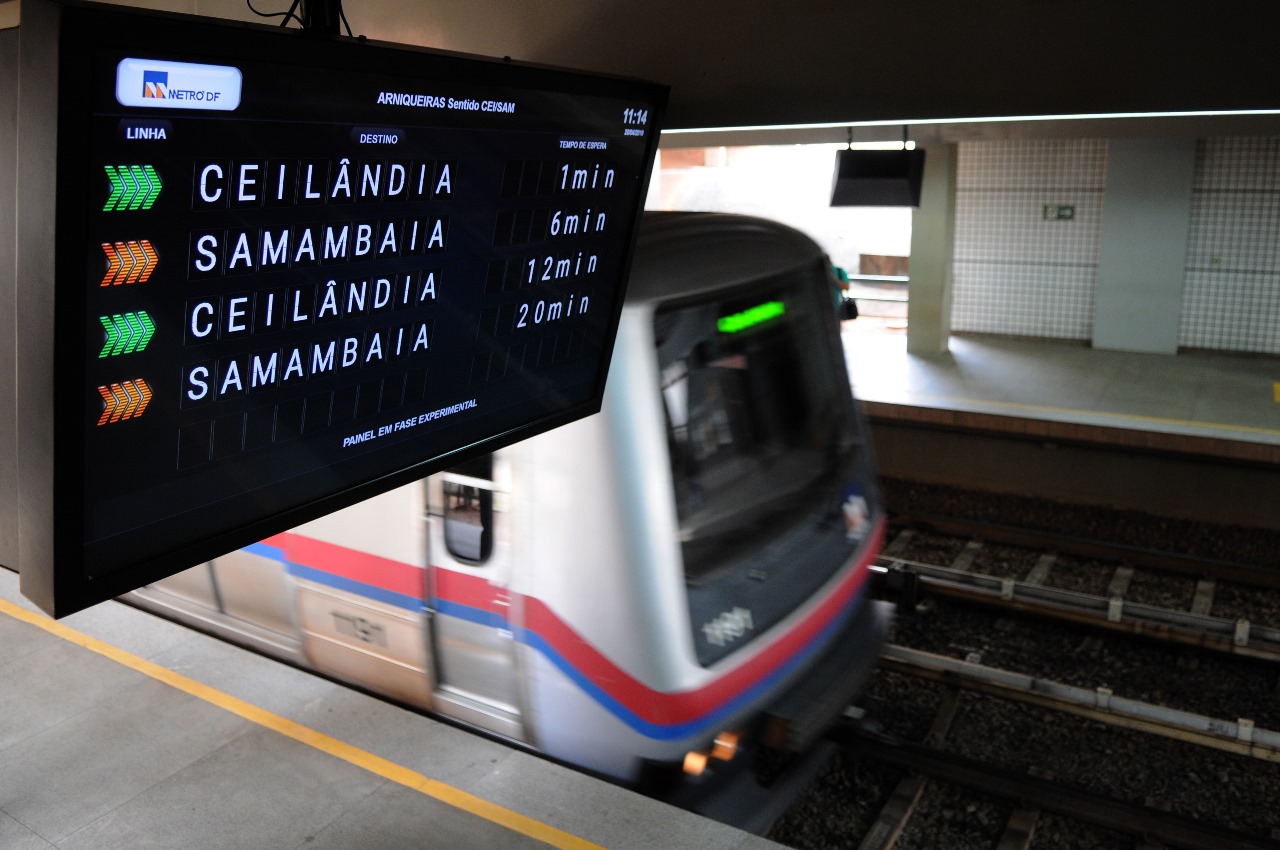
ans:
x=768 y=62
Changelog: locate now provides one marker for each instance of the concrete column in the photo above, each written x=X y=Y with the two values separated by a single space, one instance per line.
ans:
x=8 y=287
x=1142 y=259
x=932 y=240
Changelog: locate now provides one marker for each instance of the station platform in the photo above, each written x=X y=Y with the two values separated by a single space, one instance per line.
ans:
x=1187 y=437
x=122 y=730
x=1198 y=402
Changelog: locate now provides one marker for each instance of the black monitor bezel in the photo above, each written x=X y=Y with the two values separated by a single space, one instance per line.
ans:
x=53 y=559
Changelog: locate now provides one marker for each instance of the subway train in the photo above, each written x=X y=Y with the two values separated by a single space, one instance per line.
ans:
x=649 y=589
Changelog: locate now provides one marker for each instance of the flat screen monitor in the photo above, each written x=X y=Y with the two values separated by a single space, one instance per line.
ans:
x=874 y=178
x=264 y=274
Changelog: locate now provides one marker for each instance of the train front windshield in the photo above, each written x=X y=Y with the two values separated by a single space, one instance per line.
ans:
x=761 y=425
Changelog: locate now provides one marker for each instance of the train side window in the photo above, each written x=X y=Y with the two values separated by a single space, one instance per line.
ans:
x=468 y=511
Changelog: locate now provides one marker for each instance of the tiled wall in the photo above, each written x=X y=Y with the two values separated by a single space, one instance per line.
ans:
x=1015 y=272
x=1231 y=299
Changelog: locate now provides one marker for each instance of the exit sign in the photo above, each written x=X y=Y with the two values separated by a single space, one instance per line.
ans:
x=1059 y=212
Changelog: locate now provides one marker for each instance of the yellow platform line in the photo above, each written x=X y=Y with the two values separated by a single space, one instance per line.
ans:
x=435 y=789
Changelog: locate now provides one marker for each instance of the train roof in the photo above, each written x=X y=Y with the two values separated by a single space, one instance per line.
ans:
x=685 y=253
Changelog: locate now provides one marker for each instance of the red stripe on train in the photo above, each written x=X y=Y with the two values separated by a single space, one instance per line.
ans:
x=661 y=707
x=654 y=706
x=385 y=573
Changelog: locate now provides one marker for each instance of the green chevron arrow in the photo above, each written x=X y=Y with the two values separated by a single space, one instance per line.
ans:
x=148 y=329
x=135 y=332
x=154 y=186
x=126 y=333
x=122 y=334
x=136 y=190
x=112 y=335
x=133 y=187
x=130 y=188
x=117 y=188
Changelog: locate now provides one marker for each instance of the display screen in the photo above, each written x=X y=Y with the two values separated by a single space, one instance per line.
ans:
x=295 y=271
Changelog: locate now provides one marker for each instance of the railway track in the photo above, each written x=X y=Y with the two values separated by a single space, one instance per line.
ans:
x=1041 y=763
x=1010 y=802
x=1194 y=626
x=1027 y=797
x=1168 y=560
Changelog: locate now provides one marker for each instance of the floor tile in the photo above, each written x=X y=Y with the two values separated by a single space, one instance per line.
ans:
x=435 y=749
x=15 y=836
x=58 y=781
x=262 y=790
x=59 y=681
x=599 y=811
x=144 y=635
x=20 y=639
x=398 y=818
x=246 y=675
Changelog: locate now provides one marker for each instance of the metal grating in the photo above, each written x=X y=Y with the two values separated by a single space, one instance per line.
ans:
x=1231 y=300
x=1014 y=270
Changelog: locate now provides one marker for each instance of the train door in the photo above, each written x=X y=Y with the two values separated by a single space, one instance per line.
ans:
x=477 y=679
x=241 y=596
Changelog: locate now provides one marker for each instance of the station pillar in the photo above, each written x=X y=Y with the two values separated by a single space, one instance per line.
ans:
x=1142 y=257
x=8 y=281
x=932 y=241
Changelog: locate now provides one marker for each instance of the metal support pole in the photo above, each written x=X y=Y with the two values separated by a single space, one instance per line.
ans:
x=321 y=16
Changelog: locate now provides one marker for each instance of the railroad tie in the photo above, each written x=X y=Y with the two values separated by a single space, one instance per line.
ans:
x=1203 y=601
x=1020 y=830
x=965 y=559
x=944 y=717
x=899 y=544
x=1040 y=572
x=1120 y=583
x=906 y=796
x=895 y=814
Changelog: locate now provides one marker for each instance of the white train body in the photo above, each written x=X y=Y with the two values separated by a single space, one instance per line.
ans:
x=618 y=591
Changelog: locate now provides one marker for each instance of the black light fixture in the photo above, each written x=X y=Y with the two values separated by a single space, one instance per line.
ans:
x=877 y=178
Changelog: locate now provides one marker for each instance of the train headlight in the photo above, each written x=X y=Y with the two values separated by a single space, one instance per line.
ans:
x=723 y=748
x=695 y=762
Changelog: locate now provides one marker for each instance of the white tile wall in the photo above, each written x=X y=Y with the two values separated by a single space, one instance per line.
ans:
x=1026 y=300
x=1013 y=271
x=1231 y=300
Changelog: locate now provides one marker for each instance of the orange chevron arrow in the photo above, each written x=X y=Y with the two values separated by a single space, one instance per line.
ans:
x=135 y=264
x=108 y=404
x=135 y=398
x=149 y=259
x=126 y=262
x=125 y=400
x=129 y=262
x=113 y=263
x=145 y=392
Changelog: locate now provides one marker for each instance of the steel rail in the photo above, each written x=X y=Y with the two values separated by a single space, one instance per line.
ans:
x=1239 y=573
x=1238 y=637
x=901 y=805
x=1101 y=704
x=1029 y=791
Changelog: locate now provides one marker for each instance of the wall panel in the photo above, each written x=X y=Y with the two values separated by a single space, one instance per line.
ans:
x=1231 y=301
x=1016 y=270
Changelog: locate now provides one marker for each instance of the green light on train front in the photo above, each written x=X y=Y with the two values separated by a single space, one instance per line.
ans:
x=751 y=317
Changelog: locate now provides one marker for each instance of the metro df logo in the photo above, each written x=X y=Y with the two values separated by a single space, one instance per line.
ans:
x=155 y=83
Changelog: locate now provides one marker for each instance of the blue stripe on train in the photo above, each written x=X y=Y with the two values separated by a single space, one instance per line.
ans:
x=390 y=597
x=360 y=588
x=660 y=731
